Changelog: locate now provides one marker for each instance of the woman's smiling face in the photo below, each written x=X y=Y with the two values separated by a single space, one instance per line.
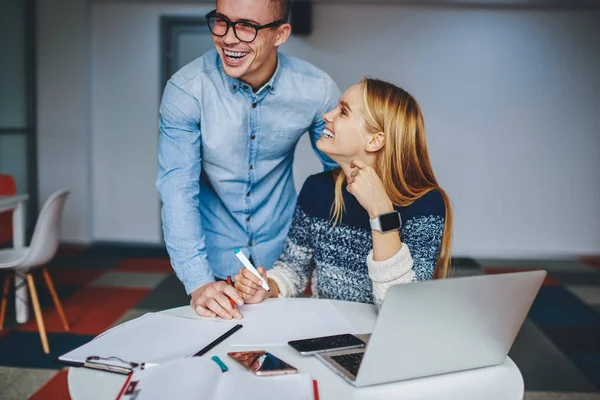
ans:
x=345 y=136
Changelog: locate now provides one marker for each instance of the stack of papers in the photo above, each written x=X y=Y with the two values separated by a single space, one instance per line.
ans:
x=201 y=378
x=151 y=338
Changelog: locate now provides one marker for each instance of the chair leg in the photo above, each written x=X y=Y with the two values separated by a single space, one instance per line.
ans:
x=57 y=304
x=38 y=313
x=4 y=299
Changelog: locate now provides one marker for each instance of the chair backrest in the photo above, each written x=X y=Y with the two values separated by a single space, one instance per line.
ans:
x=46 y=235
x=8 y=187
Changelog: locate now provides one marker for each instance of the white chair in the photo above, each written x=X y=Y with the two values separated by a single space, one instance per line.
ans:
x=42 y=249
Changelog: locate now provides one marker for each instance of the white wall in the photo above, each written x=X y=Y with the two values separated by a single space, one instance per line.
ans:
x=63 y=110
x=509 y=96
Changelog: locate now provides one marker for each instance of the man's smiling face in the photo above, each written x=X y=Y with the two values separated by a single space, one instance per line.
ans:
x=248 y=61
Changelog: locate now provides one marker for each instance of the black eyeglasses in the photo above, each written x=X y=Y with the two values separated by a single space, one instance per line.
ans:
x=243 y=30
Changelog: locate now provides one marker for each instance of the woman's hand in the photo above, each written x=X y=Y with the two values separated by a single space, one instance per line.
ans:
x=367 y=187
x=249 y=285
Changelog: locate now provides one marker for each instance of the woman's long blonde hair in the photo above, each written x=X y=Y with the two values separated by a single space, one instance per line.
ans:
x=403 y=162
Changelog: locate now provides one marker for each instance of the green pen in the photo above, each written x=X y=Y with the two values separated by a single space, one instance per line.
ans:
x=220 y=363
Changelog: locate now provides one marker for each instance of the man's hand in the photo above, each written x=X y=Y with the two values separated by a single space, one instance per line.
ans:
x=212 y=299
x=250 y=286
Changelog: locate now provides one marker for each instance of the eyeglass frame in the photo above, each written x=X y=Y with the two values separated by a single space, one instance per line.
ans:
x=232 y=24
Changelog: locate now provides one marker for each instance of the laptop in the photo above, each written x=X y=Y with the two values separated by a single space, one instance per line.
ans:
x=440 y=326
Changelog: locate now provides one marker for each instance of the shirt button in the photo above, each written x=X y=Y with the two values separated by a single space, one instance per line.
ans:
x=234 y=87
x=253 y=105
x=252 y=167
x=248 y=218
x=248 y=194
x=249 y=244
x=245 y=87
x=252 y=137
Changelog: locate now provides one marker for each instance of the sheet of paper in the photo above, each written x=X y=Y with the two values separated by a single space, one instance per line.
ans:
x=187 y=378
x=153 y=338
x=277 y=321
x=194 y=378
x=244 y=385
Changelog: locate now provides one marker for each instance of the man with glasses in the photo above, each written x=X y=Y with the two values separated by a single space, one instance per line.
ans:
x=229 y=124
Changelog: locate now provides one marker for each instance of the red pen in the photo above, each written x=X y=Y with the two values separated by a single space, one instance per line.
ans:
x=230 y=299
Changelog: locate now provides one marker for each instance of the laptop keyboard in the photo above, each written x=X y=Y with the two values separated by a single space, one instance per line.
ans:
x=350 y=362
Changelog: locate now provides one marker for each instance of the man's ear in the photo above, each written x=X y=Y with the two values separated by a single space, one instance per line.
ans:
x=376 y=142
x=283 y=33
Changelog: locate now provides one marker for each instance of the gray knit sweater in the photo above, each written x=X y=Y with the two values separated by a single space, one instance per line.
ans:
x=340 y=260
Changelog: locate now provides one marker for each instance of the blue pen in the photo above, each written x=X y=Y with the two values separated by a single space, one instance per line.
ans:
x=220 y=363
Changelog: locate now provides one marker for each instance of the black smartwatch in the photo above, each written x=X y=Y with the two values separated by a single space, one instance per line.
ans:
x=386 y=222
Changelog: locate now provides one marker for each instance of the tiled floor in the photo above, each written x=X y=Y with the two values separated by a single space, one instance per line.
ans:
x=557 y=349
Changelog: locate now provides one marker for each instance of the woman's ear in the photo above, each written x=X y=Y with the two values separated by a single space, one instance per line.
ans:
x=376 y=142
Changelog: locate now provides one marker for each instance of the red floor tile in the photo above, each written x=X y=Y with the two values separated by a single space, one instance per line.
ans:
x=549 y=281
x=145 y=265
x=56 y=388
x=591 y=261
x=74 y=276
x=90 y=311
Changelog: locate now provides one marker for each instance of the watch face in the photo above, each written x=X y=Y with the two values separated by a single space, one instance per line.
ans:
x=389 y=221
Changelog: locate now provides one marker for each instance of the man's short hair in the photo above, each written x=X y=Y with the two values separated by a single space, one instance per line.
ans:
x=281 y=8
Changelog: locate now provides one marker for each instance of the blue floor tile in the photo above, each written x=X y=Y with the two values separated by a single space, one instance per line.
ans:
x=24 y=349
x=555 y=305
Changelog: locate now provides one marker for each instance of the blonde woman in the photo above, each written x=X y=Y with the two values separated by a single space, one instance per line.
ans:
x=380 y=219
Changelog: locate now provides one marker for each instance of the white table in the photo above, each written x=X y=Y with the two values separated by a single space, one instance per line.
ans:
x=17 y=204
x=503 y=381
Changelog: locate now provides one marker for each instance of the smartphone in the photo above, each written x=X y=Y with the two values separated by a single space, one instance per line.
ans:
x=262 y=363
x=326 y=343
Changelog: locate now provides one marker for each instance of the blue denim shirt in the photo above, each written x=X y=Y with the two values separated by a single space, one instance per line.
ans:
x=225 y=159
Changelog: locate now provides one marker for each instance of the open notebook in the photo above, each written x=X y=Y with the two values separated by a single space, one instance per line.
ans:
x=201 y=378
x=151 y=338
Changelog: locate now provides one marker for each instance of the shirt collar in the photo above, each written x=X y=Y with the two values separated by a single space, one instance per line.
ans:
x=235 y=84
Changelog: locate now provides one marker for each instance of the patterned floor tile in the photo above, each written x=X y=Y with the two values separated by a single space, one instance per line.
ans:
x=556 y=306
x=169 y=294
x=24 y=349
x=548 y=281
x=112 y=249
x=57 y=388
x=74 y=276
x=589 y=294
x=577 y=278
x=91 y=310
x=129 y=279
x=464 y=262
x=543 y=365
x=590 y=365
x=45 y=299
x=569 y=265
x=70 y=250
x=591 y=261
x=28 y=382
x=145 y=265
x=131 y=314
x=460 y=272
x=8 y=375
x=575 y=339
x=83 y=261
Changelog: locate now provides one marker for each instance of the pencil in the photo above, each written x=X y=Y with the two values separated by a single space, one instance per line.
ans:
x=230 y=299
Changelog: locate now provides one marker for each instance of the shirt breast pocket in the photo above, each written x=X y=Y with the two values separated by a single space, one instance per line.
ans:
x=283 y=141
